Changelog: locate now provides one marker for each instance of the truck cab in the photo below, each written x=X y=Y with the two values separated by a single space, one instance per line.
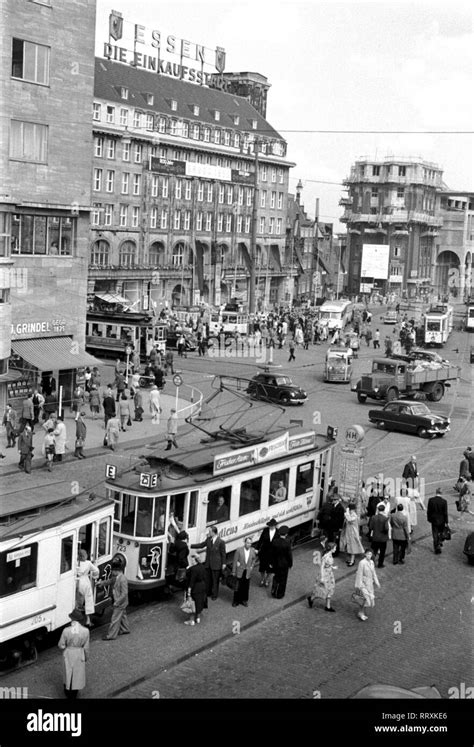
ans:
x=386 y=380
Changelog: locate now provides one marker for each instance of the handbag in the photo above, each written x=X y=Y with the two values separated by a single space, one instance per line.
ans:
x=319 y=590
x=129 y=421
x=232 y=582
x=188 y=607
x=358 y=598
x=446 y=533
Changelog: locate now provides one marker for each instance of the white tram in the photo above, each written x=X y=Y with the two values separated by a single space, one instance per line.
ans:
x=281 y=476
x=469 y=321
x=39 y=545
x=438 y=324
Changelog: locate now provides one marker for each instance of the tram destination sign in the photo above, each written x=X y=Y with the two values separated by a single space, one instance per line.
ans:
x=277 y=447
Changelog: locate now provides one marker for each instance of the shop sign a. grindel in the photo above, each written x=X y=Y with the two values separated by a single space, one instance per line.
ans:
x=38 y=328
x=162 y=45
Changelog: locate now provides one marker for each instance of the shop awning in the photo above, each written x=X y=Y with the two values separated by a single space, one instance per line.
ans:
x=113 y=298
x=53 y=354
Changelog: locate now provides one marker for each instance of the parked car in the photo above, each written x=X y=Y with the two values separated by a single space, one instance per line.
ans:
x=410 y=417
x=390 y=317
x=275 y=387
x=173 y=337
x=469 y=548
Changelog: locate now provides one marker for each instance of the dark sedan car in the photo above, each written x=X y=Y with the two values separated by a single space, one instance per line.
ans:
x=172 y=338
x=275 y=387
x=410 y=417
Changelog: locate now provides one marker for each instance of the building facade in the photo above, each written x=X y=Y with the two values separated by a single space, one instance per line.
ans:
x=455 y=249
x=47 y=73
x=176 y=169
x=394 y=203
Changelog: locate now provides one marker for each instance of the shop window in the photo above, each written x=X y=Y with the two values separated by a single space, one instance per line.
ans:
x=250 y=496
x=279 y=486
x=67 y=544
x=304 y=478
x=218 y=508
x=18 y=569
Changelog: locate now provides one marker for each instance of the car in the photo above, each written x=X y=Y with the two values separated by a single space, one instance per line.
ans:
x=390 y=317
x=469 y=548
x=410 y=416
x=173 y=337
x=275 y=387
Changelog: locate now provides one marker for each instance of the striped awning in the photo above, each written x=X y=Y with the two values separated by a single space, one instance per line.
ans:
x=53 y=353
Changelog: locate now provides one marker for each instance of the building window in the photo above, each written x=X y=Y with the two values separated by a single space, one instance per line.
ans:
x=137 y=118
x=108 y=214
x=262 y=225
x=149 y=99
x=187 y=190
x=174 y=127
x=165 y=186
x=272 y=199
x=239 y=224
x=195 y=110
x=402 y=171
x=137 y=183
x=208 y=221
x=123 y=219
x=249 y=197
x=247 y=224
x=221 y=194
x=178 y=189
x=126 y=151
x=274 y=175
x=280 y=176
x=400 y=192
x=100 y=253
x=230 y=195
x=375 y=192
x=162 y=125
x=28 y=141
x=30 y=61
x=226 y=137
x=110 y=114
x=110 y=148
x=149 y=121
x=185 y=129
x=164 y=219
x=154 y=185
x=207 y=134
x=178 y=254
x=236 y=119
x=278 y=226
x=96 y=213
x=228 y=222
x=263 y=198
x=199 y=221
x=200 y=193
x=125 y=183
x=217 y=116
x=153 y=217
x=135 y=217
x=236 y=140
x=187 y=220
x=43 y=235
x=98 y=147
x=127 y=254
x=195 y=132
x=155 y=253
x=109 y=183
x=396 y=252
x=375 y=170
x=174 y=105
x=263 y=173
x=97 y=180
x=177 y=220
x=96 y=112
x=217 y=136
x=220 y=222
x=254 y=124
x=271 y=226
x=137 y=152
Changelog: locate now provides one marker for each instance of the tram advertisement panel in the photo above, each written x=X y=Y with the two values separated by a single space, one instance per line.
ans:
x=150 y=560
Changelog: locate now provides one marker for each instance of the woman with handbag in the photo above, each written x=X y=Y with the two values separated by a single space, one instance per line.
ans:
x=366 y=577
x=196 y=580
x=81 y=433
x=325 y=585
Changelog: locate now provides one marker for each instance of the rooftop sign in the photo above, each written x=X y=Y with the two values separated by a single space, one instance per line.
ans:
x=247 y=457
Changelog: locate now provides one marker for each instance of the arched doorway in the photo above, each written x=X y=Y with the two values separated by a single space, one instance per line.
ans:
x=447 y=279
x=179 y=295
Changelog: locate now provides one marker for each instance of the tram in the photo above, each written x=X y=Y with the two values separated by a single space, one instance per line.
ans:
x=438 y=324
x=109 y=333
x=39 y=546
x=469 y=323
x=283 y=476
x=230 y=322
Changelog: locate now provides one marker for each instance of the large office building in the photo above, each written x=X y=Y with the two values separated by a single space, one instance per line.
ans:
x=176 y=169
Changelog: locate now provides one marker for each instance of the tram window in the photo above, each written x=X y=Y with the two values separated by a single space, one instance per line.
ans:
x=193 y=499
x=126 y=333
x=144 y=513
x=85 y=539
x=111 y=331
x=96 y=331
x=115 y=496
x=218 y=505
x=18 y=569
x=250 y=496
x=160 y=516
x=176 y=512
x=304 y=478
x=128 y=513
x=103 y=544
x=279 y=486
x=66 y=554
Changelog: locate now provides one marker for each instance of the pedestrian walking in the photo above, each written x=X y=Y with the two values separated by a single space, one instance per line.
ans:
x=138 y=404
x=112 y=432
x=159 y=377
x=74 y=643
x=465 y=495
x=27 y=412
x=108 y=403
x=196 y=583
x=119 y=621
x=155 y=408
x=378 y=533
x=94 y=401
x=77 y=399
x=400 y=534
x=124 y=412
x=337 y=519
x=85 y=572
x=291 y=346
x=350 y=541
x=81 y=433
x=25 y=447
x=172 y=429
x=242 y=567
x=215 y=560
x=365 y=580
x=61 y=438
x=404 y=500
x=95 y=378
x=38 y=402
x=368 y=336
x=10 y=422
x=376 y=339
x=410 y=473
x=169 y=358
x=325 y=583
x=282 y=561
x=120 y=384
x=49 y=448
x=264 y=549
x=437 y=515
x=464 y=467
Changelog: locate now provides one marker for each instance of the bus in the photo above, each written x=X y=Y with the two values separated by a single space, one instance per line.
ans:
x=338 y=365
x=335 y=314
x=109 y=333
x=282 y=475
x=438 y=324
x=232 y=323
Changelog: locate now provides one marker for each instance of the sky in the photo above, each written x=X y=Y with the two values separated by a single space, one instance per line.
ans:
x=400 y=72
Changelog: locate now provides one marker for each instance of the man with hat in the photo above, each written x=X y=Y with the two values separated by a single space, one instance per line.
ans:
x=81 y=432
x=264 y=549
x=282 y=561
x=379 y=533
x=410 y=473
x=74 y=643
x=437 y=515
x=119 y=621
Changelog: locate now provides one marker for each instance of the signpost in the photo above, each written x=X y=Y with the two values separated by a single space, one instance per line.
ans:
x=128 y=351
x=177 y=381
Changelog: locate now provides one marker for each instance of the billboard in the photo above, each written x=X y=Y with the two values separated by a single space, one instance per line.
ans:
x=375 y=261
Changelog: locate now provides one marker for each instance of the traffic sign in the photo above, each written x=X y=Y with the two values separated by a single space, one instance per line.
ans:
x=354 y=434
x=177 y=380
x=128 y=350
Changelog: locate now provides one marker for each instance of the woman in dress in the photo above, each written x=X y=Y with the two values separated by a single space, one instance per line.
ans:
x=86 y=570
x=196 y=579
x=155 y=405
x=326 y=583
x=349 y=541
x=112 y=432
x=74 y=643
x=365 y=579
x=124 y=411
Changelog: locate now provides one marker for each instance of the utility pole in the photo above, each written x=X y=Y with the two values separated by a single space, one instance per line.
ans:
x=253 y=243
x=316 y=231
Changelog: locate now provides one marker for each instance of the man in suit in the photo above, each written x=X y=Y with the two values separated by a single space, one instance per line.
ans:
x=437 y=515
x=282 y=561
x=400 y=534
x=410 y=473
x=244 y=561
x=25 y=447
x=119 y=621
x=378 y=532
x=215 y=560
x=336 y=519
x=264 y=549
